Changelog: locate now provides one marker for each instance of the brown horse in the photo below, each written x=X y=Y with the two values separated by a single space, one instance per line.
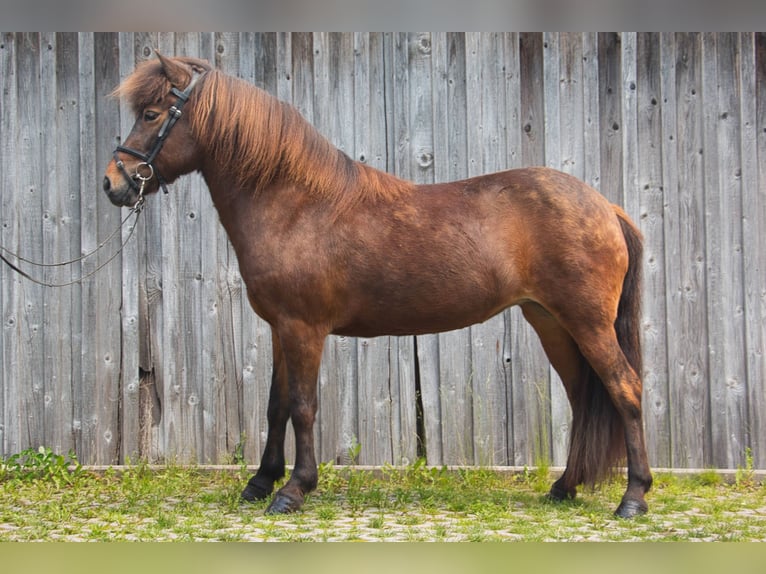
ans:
x=329 y=245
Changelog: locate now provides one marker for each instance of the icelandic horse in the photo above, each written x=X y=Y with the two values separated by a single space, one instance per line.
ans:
x=328 y=245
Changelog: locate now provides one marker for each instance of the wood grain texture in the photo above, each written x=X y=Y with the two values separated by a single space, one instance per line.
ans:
x=160 y=357
x=754 y=229
x=650 y=190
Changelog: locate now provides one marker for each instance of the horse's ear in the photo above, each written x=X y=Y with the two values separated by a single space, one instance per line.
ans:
x=179 y=74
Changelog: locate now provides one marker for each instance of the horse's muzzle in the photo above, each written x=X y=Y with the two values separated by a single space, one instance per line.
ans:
x=121 y=196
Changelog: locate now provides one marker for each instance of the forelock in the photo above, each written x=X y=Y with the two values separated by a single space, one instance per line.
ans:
x=145 y=86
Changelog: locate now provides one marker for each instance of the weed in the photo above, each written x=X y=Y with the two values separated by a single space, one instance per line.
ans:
x=327 y=512
x=709 y=478
x=41 y=464
x=745 y=476
x=330 y=480
x=440 y=531
x=238 y=457
x=537 y=477
x=377 y=522
x=354 y=450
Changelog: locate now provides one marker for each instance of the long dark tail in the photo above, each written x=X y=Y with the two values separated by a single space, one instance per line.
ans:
x=628 y=324
x=598 y=438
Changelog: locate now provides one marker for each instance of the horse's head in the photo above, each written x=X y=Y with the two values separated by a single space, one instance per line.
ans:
x=160 y=147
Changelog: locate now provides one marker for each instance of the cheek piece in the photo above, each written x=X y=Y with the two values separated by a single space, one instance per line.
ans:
x=146 y=169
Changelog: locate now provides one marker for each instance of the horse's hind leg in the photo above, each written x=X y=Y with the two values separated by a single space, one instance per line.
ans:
x=571 y=366
x=272 y=467
x=605 y=394
x=602 y=350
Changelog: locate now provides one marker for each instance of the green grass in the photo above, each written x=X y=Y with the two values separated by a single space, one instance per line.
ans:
x=417 y=503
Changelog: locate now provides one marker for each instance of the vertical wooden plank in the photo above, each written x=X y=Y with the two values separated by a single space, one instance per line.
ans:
x=399 y=352
x=130 y=415
x=278 y=74
x=6 y=74
x=724 y=244
x=100 y=373
x=52 y=331
x=226 y=385
x=109 y=282
x=610 y=116
x=403 y=350
x=61 y=206
x=591 y=124
x=29 y=181
x=529 y=366
x=377 y=408
x=514 y=159
x=85 y=391
x=406 y=111
x=446 y=50
x=376 y=411
x=175 y=436
x=258 y=64
x=450 y=162
x=450 y=131
x=254 y=375
x=283 y=80
x=325 y=106
x=438 y=120
x=670 y=225
x=685 y=251
x=197 y=277
x=714 y=188
x=631 y=196
x=150 y=299
x=335 y=431
x=571 y=105
x=512 y=77
x=652 y=197
x=754 y=225
x=9 y=234
x=560 y=412
x=633 y=203
x=256 y=333
x=178 y=435
x=487 y=153
x=352 y=383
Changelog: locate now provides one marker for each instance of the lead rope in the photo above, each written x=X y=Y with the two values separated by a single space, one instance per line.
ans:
x=135 y=210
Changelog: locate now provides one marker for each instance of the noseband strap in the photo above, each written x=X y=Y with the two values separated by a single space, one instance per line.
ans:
x=174 y=114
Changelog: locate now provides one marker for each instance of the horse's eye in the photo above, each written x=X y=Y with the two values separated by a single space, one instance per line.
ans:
x=150 y=116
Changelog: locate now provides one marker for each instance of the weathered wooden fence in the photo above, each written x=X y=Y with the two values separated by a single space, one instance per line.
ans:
x=159 y=355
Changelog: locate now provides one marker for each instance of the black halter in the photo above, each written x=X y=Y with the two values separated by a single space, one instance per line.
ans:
x=174 y=113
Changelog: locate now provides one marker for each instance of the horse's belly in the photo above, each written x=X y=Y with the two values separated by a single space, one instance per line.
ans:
x=432 y=314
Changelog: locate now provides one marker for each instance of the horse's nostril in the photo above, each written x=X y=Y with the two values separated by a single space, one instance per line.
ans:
x=107 y=184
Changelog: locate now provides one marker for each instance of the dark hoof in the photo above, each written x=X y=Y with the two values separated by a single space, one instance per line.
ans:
x=256 y=491
x=631 y=508
x=559 y=494
x=284 y=504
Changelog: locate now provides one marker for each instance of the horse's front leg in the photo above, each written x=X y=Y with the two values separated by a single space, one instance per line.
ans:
x=272 y=467
x=302 y=346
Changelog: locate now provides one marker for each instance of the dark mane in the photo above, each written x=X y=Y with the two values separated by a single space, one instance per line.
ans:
x=262 y=139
